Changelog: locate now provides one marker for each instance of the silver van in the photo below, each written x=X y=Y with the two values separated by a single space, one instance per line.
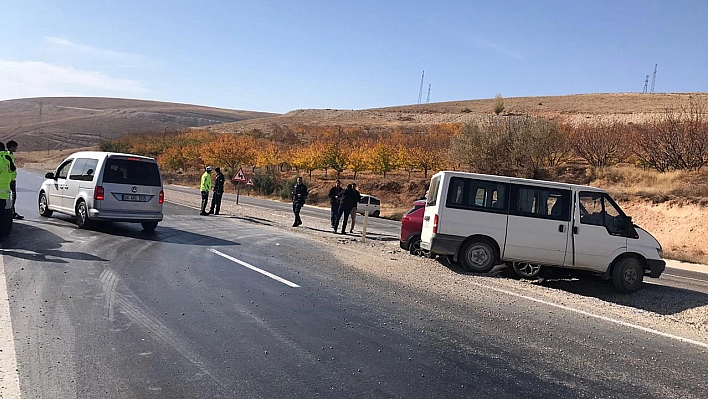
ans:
x=105 y=186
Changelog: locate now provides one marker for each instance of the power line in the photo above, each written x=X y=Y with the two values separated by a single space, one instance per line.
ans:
x=420 y=92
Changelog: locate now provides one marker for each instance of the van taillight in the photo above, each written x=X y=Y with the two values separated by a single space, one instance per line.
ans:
x=98 y=193
x=435 y=224
x=162 y=197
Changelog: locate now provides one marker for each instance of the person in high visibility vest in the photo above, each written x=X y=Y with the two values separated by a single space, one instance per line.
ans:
x=12 y=148
x=7 y=169
x=205 y=187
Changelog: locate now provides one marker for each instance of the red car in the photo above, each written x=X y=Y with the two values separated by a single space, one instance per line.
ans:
x=411 y=226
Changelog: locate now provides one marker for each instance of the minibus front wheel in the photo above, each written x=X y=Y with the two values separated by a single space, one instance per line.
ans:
x=478 y=257
x=628 y=274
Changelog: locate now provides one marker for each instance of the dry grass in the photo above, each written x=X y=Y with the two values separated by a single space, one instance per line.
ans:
x=627 y=181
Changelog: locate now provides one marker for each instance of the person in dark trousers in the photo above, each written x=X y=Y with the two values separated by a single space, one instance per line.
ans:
x=218 y=192
x=334 y=202
x=350 y=198
x=353 y=211
x=11 y=148
x=299 y=197
x=204 y=188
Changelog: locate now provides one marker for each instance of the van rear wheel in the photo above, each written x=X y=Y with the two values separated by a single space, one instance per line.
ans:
x=82 y=218
x=478 y=257
x=628 y=275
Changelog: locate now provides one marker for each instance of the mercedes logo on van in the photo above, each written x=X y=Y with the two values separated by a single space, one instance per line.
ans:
x=134 y=189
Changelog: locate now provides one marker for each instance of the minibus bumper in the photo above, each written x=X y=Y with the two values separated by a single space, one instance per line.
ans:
x=656 y=266
x=442 y=244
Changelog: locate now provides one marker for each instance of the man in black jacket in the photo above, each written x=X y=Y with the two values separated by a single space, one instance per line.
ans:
x=334 y=193
x=218 y=192
x=350 y=197
x=299 y=197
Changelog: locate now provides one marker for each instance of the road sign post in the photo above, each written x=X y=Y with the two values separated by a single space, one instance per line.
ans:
x=239 y=177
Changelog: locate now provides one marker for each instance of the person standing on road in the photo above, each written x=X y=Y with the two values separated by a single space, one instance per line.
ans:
x=334 y=202
x=7 y=170
x=299 y=197
x=205 y=187
x=218 y=192
x=11 y=148
x=348 y=201
x=357 y=194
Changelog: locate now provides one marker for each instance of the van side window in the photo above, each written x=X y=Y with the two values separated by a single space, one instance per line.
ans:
x=63 y=170
x=433 y=191
x=477 y=194
x=599 y=210
x=83 y=169
x=541 y=202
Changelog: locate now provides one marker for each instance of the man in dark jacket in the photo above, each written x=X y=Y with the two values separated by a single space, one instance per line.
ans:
x=349 y=199
x=334 y=202
x=218 y=192
x=299 y=197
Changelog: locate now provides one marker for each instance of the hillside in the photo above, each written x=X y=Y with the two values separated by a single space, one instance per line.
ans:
x=623 y=107
x=72 y=122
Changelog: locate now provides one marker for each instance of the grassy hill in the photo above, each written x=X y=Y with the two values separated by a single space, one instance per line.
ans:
x=72 y=122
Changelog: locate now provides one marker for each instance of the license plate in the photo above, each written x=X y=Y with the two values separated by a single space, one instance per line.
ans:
x=136 y=198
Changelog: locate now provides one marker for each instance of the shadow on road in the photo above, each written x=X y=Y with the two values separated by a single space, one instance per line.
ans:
x=660 y=299
x=33 y=243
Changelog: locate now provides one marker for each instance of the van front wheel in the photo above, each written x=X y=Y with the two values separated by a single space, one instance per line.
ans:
x=478 y=257
x=627 y=275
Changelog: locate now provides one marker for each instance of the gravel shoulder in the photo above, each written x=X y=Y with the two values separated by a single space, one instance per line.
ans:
x=666 y=309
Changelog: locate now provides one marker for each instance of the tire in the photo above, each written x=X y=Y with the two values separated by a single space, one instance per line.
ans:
x=149 y=226
x=82 y=218
x=415 y=249
x=44 y=205
x=478 y=257
x=526 y=270
x=375 y=214
x=628 y=275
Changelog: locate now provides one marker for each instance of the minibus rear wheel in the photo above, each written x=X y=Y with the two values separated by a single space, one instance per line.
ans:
x=627 y=275
x=478 y=257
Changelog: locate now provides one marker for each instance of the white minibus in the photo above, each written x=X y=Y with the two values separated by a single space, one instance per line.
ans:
x=484 y=220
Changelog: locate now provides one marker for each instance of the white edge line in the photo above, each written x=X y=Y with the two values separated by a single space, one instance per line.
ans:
x=685 y=278
x=582 y=312
x=261 y=271
x=9 y=375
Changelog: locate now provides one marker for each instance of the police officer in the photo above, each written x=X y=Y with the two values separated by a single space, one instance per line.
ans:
x=299 y=197
x=11 y=148
x=7 y=170
x=205 y=187
x=218 y=192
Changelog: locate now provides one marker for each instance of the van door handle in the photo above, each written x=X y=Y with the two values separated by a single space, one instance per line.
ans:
x=560 y=228
x=426 y=218
x=575 y=229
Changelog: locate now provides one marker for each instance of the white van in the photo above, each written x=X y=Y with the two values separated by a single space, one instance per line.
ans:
x=483 y=220
x=105 y=186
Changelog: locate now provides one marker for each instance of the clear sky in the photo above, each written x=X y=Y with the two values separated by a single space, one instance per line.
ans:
x=278 y=56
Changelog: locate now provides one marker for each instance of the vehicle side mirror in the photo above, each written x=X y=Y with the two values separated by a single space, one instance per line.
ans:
x=49 y=175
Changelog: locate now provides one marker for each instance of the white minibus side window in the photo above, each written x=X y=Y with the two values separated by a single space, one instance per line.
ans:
x=477 y=194
x=541 y=202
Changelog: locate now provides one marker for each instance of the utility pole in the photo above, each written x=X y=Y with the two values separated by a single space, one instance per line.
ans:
x=646 y=82
x=653 y=79
x=420 y=92
x=427 y=101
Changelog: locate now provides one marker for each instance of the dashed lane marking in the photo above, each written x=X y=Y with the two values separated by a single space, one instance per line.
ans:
x=261 y=271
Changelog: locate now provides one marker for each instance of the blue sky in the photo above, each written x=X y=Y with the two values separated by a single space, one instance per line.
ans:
x=278 y=56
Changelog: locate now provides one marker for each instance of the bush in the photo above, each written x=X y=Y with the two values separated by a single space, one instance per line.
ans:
x=264 y=184
x=286 y=192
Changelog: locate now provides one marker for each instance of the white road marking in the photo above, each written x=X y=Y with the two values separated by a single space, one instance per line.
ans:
x=9 y=377
x=685 y=278
x=261 y=271
x=584 y=313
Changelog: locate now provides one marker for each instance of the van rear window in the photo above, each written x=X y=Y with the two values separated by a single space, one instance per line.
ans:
x=433 y=191
x=135 y=172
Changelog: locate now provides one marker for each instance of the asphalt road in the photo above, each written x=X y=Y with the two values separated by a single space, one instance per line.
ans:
x=225 y=308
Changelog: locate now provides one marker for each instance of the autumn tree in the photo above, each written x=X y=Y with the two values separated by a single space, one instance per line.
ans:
x=230 y=150
x=484 y=147
x=309 y=158
x=601 y=144
x=358 y=160
x=383 y=158
x=335 y=157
